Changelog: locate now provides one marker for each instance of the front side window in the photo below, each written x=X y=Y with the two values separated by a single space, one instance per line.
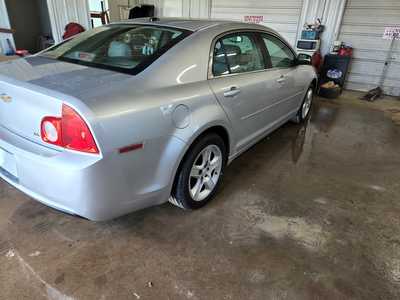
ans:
x=237 y=53
x=125 y=48
x=280 y=54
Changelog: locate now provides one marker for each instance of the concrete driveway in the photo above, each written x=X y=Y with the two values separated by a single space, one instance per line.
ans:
x=311 y=212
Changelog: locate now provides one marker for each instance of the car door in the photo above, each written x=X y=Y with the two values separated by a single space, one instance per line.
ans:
x=239 y=78
x=284 y=71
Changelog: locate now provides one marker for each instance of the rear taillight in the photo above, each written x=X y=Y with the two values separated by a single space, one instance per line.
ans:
x=51 y=130
x=70 y=131
x=75 y=133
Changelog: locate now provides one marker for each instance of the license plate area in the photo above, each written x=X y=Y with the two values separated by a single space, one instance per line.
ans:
x=8 y=165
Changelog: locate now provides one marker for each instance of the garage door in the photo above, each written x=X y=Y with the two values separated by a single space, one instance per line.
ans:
x=62 y=12
x=283 y=15
x=363 y=25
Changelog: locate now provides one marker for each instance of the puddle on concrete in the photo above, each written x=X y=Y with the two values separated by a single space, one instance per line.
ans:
x=395 y=270
x=311 y=236
x=254 y=221
x=396 y=117
x=308 y=213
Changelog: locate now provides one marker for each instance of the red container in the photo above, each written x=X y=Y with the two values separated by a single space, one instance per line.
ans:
x=346 y=51
x=22 y=52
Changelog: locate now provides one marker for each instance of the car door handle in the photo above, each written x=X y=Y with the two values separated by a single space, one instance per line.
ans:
x=281 y=79
x=233 y=91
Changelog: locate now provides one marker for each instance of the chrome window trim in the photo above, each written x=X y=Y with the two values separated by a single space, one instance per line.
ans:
x=210 y=74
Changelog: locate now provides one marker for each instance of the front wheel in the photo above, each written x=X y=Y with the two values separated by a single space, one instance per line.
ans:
x=200 y=173
x=305 y=108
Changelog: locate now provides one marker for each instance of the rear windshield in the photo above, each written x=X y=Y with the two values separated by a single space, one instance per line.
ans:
x=124 y=48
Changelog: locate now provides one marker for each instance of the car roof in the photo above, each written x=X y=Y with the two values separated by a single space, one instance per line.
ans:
x=189 y=24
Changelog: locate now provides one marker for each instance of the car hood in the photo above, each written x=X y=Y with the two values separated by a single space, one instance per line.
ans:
x=75 y=80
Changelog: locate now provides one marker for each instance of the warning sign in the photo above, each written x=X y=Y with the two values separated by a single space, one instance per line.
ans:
x=392 y=32
x=254 y=19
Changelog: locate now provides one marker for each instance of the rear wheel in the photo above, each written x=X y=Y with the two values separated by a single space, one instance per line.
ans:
x=200 y=173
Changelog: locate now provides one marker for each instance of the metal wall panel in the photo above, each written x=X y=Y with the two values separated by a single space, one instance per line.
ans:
x=62 y=12
x=283 y=15
x=363 y=25
x=186 y=8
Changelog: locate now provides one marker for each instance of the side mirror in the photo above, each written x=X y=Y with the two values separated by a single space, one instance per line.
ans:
x=303 y=59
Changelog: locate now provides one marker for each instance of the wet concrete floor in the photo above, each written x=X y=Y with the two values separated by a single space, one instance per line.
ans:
x=311 y=212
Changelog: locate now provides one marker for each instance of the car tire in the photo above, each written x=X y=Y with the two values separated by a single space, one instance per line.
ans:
x=305 y=108
x=200 y=173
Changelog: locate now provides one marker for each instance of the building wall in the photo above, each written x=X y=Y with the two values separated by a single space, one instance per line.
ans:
x=281 y=15
x=62 y=12
x=186 y=8
x=115 y=5
x=172 y=8
x=363 y=26
x=330 y=12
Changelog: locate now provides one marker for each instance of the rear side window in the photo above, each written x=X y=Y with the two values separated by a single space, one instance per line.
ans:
x=237 y=53
x=280 y=54
x=125 y=48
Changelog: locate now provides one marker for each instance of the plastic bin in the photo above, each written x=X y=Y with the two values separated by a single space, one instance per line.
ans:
x=335 y=62
x=310 y=35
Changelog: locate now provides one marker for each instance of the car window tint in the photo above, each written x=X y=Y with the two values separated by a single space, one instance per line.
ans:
x=220 y=64
x=120 y=47
x=237 y=53
x=280 y=54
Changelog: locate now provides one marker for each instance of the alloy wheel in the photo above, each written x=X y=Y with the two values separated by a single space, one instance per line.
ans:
x=205 y=172
x=307 y=104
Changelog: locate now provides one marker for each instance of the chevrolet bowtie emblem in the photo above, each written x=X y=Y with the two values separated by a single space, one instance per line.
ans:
x=5 y=98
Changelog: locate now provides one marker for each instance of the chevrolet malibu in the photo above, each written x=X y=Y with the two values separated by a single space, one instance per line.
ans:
x=136 y=113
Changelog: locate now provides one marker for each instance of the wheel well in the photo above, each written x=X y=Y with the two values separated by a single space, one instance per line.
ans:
x=222 y=132
x=314 y=84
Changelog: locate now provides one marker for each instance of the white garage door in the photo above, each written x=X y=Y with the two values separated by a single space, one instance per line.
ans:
x=62 y=12
x=363 y=25
x=283 y=15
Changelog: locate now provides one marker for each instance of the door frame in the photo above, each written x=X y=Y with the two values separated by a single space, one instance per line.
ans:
x=5 y=23
x=258 y=39
x=246 y=141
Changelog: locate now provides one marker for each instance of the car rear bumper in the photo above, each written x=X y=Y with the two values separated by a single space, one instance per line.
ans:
x=52 y=203
x=90 y=186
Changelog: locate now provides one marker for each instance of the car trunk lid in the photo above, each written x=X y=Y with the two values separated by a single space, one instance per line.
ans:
x=23 y=106
x=36 y=87
x=67 y=78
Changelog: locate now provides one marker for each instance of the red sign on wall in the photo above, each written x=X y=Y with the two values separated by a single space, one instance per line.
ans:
x=254 y=19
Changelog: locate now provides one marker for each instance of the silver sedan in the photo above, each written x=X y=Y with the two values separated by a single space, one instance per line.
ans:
x=134 y=114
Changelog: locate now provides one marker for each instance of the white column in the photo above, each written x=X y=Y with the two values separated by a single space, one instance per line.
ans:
x=311 y=11
x=186 y=8
x=330 y=12
x=200 y=9
x=172 y=8
x=333 y=15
